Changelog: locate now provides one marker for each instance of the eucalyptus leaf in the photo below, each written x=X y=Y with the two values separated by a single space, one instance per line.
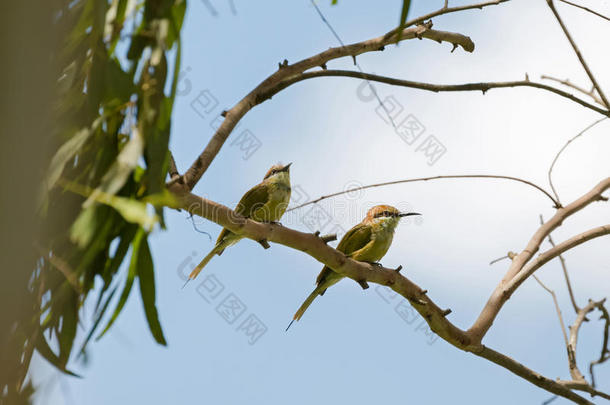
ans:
x=119 y=172
x=131 y=275
x=146 y=277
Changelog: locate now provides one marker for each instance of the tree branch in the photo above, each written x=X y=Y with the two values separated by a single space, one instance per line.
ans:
x=537 y=379
x=455 y=176
x=550 y=254
x=173 y=169
x=578 y=54
x=563 y=148
x=574 y=329
x=565 y=271
x=586 y=9
x=605 y=352
x=557 y=309
x=583 y=386
x=578 y=380
x=516 y=273
x=481 y=86
x=568 y=83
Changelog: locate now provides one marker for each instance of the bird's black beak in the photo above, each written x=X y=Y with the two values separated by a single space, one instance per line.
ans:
x=286 y=168
x=407 y=214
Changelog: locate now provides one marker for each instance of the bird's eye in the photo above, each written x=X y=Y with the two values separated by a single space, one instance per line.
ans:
x=386 y=213
x=273 y=171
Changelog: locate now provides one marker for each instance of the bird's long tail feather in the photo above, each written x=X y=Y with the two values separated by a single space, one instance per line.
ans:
x=297 y=316
x=205 y=261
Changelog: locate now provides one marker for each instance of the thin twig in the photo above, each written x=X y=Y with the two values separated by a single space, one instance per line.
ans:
x=585 y=8
x=457 y=176
x=563 y=148
x=565 y=270
x=563 y=326
x=568 y=83
x=578 y=54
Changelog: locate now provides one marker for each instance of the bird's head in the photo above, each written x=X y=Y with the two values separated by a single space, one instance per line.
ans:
x=278 y=174
x=386 y=216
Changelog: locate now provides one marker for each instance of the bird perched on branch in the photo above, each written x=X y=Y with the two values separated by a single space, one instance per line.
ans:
x=366 y=242
x=265 y=202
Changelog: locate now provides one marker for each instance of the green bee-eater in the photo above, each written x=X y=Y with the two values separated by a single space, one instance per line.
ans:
x=366 y=242
x=265 y=202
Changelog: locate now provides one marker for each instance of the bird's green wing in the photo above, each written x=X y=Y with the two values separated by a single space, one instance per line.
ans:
x=355 y=239
x=256 y=196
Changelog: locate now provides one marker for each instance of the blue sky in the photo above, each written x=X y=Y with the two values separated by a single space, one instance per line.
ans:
x=354 y=346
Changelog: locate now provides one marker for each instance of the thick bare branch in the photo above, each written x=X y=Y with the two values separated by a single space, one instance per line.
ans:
x=526 y=373
x=550 y=254
x=482 y=86
x=516 y=273
x=578 y=54
x=455 y=176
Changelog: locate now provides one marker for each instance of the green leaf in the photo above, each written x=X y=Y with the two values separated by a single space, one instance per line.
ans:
x=133 y=211
x=146 y=276
x=118 y=85
x=98 y=318
x=67 y=151
x=69 y=321
x=163 y=199
x=112 y=265
x=131 y=274
x=45 y=351
x=403 y=17
x=177 y=18
x=119 y=172
x=84 y=227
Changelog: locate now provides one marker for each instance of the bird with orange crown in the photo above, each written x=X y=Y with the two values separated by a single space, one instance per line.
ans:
x=366 y=242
